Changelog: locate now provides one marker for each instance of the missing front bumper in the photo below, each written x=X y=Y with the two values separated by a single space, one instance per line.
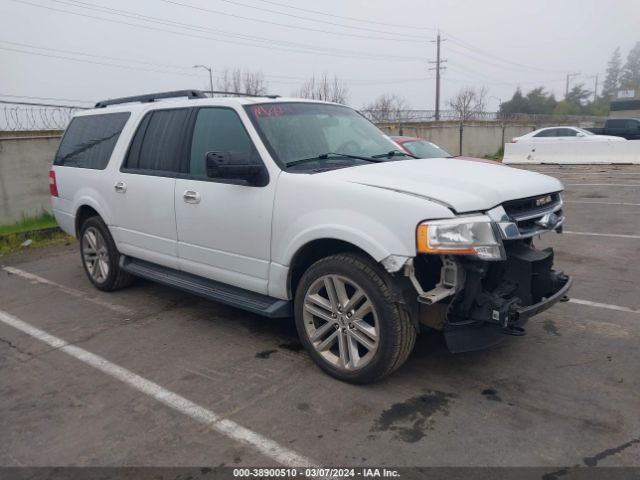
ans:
x=499 y=299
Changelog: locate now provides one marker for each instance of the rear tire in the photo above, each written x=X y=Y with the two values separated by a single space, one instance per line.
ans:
x=100 y=257
x=348 y=321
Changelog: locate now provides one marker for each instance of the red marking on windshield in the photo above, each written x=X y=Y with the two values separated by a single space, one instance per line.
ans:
x=270 y=110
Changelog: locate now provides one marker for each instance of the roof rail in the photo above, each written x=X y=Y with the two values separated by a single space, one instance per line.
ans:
x=152 y=97
x=239 y=94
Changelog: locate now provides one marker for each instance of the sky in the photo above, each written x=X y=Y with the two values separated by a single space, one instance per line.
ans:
x=87 y=50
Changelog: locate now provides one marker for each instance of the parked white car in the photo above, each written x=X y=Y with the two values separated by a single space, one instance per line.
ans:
x=288 y=207
x=561 y=134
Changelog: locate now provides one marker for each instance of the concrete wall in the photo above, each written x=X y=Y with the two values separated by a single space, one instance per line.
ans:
x=575 y=151
x=24 y=170
x=478 y=138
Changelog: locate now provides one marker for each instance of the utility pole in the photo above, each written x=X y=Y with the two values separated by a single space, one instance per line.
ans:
x=595 y=88
x=437 y=68
x=569 y=77
x=210 y=74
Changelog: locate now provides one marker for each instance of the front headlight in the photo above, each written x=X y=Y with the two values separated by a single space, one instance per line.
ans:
x=460 y=236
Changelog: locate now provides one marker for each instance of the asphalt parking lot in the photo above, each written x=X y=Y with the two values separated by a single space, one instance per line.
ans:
x=566 y=394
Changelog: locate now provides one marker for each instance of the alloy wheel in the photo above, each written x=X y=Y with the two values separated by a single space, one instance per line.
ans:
x=341 y=322
x=95 y=254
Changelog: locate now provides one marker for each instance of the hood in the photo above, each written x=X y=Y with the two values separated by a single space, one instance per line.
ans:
x=606 y=137
x=462 y=185
x=476 y=159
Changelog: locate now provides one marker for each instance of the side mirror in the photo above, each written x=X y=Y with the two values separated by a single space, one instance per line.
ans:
x=231 y=165
x=580 y=134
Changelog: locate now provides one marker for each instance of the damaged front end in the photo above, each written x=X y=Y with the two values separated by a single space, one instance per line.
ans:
x=477 y=302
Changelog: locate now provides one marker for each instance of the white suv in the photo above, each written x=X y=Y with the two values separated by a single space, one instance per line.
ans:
x=289 y=207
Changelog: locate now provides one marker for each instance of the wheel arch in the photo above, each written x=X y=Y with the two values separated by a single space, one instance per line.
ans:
x=82 y=213
x=314 y=250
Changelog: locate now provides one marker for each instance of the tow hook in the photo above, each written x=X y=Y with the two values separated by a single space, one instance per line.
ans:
x=564 y=299
x=514 y=331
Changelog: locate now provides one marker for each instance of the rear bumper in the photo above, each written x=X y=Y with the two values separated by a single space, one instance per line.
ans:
x=486 y=315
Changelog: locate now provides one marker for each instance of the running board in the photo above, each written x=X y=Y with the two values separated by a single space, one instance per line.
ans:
x=210 y=289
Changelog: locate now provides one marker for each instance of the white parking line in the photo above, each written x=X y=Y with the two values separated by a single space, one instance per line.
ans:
x=229 y=428
x=604 y=305
x=599 y=185
x=604 y=203
x=592 y=173
x=70 y=291
x=592 y=234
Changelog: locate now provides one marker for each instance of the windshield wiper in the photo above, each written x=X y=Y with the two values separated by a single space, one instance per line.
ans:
x=393 y=153
x=327 y=155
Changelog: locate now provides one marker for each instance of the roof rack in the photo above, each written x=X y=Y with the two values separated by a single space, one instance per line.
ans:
x=240 y=94
x=152 y=97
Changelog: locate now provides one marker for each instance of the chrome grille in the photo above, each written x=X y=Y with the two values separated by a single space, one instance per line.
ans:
x=526 y=217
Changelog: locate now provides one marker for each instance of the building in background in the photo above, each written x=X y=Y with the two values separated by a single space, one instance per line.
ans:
x=626 y=104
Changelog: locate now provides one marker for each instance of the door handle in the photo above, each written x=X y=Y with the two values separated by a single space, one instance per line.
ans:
x=191 y=196
x=120 y=187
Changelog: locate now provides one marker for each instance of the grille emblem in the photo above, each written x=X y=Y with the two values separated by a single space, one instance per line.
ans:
x=543 y=201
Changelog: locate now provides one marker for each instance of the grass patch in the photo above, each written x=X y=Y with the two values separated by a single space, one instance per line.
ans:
x=498 y=156
x=44 y=220
x=14 y=242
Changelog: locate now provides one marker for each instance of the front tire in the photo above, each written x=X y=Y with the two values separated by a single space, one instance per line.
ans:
x=348 y=321
x=100 y=257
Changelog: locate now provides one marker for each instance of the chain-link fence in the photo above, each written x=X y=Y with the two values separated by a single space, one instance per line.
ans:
x=414 y=116
x=24 y=116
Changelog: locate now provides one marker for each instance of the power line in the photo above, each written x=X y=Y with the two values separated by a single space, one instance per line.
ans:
x=295 y=48
x=353 y=19
x=473 y=48
x=9 y=102
x=269 y=77
x=403 y=38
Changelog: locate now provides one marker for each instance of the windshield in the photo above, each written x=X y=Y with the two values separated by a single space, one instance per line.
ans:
x=320 y=135
x=424 y=149
x=586 y=132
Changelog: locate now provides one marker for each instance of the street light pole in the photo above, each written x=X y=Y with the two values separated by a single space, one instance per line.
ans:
x=210 y=74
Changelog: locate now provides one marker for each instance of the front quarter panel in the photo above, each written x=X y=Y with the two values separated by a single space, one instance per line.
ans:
x=379 y=221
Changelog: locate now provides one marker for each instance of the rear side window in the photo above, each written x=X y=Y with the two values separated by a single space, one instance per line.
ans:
x=567 y=132
x=616 y=123
x=89 y=140
x=549 y=132
x=158 y=145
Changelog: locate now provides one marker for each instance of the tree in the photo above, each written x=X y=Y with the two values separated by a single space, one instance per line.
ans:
x=387 y=108
x=254 y=83
x=630 y=77
x=237 y=80
x=469 y=102
x=517 y=104
x=614 y=71
x=578 y=96
x=324 y=88
x=541 y=102
x=566 y=108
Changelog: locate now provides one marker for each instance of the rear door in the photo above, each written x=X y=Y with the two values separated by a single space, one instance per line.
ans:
x=546 y=135
x=143 y=190
x=224 y=226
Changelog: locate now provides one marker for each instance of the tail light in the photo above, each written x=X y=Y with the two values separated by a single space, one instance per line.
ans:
x=53 y=187
x=514 y=140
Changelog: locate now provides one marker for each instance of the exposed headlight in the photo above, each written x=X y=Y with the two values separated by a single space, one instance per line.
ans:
x=460 y=236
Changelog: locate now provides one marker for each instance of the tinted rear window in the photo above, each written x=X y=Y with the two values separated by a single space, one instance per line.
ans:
x=159 y=143
x=616 y=123
x=89 y=141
